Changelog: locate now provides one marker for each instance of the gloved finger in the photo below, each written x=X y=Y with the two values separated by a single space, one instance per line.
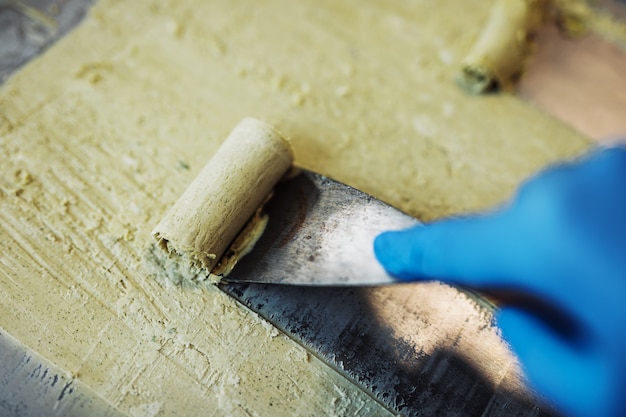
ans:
x=602 y=193
x=563 y=188
x=554 y=366
x=478 y=252
x=607 y=161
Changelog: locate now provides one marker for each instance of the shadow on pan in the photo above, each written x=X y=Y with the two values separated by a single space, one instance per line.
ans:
x=343 y=328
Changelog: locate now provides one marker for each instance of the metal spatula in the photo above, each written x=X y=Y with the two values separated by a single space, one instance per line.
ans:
x=320 y=232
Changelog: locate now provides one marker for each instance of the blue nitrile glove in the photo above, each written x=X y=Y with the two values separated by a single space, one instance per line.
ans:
x=560 y=247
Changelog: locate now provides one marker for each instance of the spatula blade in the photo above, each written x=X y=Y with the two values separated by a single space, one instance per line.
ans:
x=320 y=232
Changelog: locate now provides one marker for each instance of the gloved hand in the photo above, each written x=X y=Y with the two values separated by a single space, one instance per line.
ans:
x=560 y=246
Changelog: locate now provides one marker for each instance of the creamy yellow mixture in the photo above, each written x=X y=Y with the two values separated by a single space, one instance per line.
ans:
x=223 y=197
x=499 y=57
x=100 y=136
